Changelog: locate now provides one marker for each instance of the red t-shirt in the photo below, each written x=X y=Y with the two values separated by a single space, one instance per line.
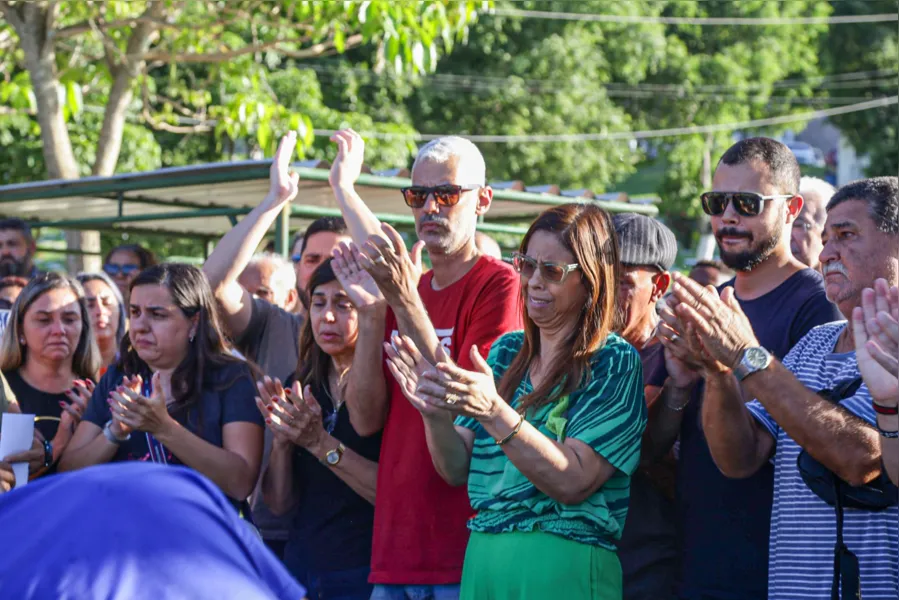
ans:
x=420 y=529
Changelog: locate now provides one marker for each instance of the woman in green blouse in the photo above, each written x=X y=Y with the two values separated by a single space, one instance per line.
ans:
x=546 y=432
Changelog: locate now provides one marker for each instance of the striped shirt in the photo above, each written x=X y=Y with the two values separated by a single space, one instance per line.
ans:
x=803 y=527
x=608 y=414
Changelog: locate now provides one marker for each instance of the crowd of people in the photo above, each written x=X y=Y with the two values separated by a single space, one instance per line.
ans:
x=577 y=420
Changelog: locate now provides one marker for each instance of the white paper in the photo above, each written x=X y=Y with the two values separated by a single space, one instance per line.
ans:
x=17 y=435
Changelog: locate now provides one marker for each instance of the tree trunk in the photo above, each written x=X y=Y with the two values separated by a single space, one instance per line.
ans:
x=705 y=250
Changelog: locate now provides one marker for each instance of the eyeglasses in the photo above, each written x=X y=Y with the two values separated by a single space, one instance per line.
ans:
x=550 y=271
x=445 y=195
x=114 y=270
x=747 y=204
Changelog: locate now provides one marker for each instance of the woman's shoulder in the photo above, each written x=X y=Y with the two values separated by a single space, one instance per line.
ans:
x=229 y=373
x=615 y=353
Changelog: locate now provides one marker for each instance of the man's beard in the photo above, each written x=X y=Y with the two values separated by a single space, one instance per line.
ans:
x=757 y=253
x=13 y=267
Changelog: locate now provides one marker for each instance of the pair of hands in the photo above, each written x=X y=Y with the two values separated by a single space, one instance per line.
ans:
x=293 y=416
x=444 y=390
x=132 y=411
x=703 y=333
x=79 y=395
x=875 y=330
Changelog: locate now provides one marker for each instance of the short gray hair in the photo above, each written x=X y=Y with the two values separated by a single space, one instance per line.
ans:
x=284 y=272
x=470 y=164
x=819 y=188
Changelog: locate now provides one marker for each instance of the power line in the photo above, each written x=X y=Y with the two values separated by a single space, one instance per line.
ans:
x=629 y=135
x=647 y=19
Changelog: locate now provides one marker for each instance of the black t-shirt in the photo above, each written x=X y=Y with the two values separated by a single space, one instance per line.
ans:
x=33 y=401
x=725 y=523
x=228 y=396
x=332 y=526
x=654 y=370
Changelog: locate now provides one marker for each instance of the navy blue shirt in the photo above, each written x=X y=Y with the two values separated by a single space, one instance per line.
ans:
x=132 y=532
x=332 y=527
x=228 y=396
x=725 y=523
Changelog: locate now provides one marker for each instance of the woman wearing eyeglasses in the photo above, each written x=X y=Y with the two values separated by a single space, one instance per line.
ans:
x=48 y=356
x=107 y=310
x=546 y=432
x=319 y=466
x=124 y=262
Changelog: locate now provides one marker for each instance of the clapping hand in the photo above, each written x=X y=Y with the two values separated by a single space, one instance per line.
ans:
x=395 y=269
x=356 y=282
x=140 y=413
x=283 y=185
x=294 y=416
x=347 y=164
x=875 y=329
x=79 y=395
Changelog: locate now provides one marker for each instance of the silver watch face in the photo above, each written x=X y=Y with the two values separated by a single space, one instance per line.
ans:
x=756 y=358
x=333 y=457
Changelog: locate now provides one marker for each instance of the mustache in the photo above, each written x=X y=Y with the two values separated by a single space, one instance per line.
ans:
x=732 y=232
x=834 y=268
x=435 y=219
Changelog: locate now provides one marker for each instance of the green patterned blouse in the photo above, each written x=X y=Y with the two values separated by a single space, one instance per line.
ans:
x=608 y=414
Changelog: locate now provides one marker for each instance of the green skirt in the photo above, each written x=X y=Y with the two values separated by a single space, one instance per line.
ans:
x=539 y=566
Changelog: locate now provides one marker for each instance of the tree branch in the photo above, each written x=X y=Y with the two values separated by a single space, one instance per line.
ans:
x=79 y=28
x=11 y=14
x=216 y=57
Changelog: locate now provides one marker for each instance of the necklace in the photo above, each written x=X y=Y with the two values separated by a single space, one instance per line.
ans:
x=335 y=403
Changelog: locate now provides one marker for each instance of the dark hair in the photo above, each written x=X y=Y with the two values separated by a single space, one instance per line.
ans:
x=329 y=224
x=208 y=353
x=783 y=170
x=14 y=224
x=144 y=256
x=12 y=281
x=881 y=194
x=586 y=231
x=314 y=362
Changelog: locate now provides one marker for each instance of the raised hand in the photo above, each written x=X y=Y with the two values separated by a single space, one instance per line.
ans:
x=79 y=395
x=356 y=282
x=283 y=185
x=271 y=392
x=296 y=417
x=470 y=393
x=394 y=269
x=876 y=335
x=347 y=165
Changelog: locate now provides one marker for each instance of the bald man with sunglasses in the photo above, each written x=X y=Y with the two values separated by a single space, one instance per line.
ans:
x=725 y=522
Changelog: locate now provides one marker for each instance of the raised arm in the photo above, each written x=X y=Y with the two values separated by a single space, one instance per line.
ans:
x=347 y=167
x=366 y=389
x=234 y=251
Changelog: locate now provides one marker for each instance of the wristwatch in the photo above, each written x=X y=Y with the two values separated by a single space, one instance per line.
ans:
x=753 y=360
x=107 y=431
x=333 y=456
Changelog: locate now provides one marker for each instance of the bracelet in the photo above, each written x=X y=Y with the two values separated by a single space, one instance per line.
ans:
x=513 y=434
x=880 y=409
x=890 y=435
x=48 y=453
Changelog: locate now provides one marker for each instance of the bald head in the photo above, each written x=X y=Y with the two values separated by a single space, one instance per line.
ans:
x=271 y=278
x=805 y=239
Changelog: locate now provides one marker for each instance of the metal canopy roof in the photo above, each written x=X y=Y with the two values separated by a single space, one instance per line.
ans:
x=205 y=201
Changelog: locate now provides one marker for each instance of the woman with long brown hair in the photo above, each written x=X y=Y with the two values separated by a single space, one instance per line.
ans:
x=546 y=432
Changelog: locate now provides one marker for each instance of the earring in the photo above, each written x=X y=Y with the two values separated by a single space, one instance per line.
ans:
x=22 y=341
x=191 y=338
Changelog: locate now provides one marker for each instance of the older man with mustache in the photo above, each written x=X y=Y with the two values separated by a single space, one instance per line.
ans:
x=827 y=397
x=753 y=203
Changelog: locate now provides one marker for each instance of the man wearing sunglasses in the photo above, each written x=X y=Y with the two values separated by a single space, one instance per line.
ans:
x=860 y=262
x=467 y=299
x=724 y=521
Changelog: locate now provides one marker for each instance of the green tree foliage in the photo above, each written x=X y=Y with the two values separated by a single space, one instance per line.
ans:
x=868 y=48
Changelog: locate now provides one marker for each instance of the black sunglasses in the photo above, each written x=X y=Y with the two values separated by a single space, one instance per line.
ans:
x=747 y=204
x=113 y=270
x=445 y=195
x=550 y=271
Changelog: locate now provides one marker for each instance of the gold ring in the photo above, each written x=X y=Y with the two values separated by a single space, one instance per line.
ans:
x=451 y=399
